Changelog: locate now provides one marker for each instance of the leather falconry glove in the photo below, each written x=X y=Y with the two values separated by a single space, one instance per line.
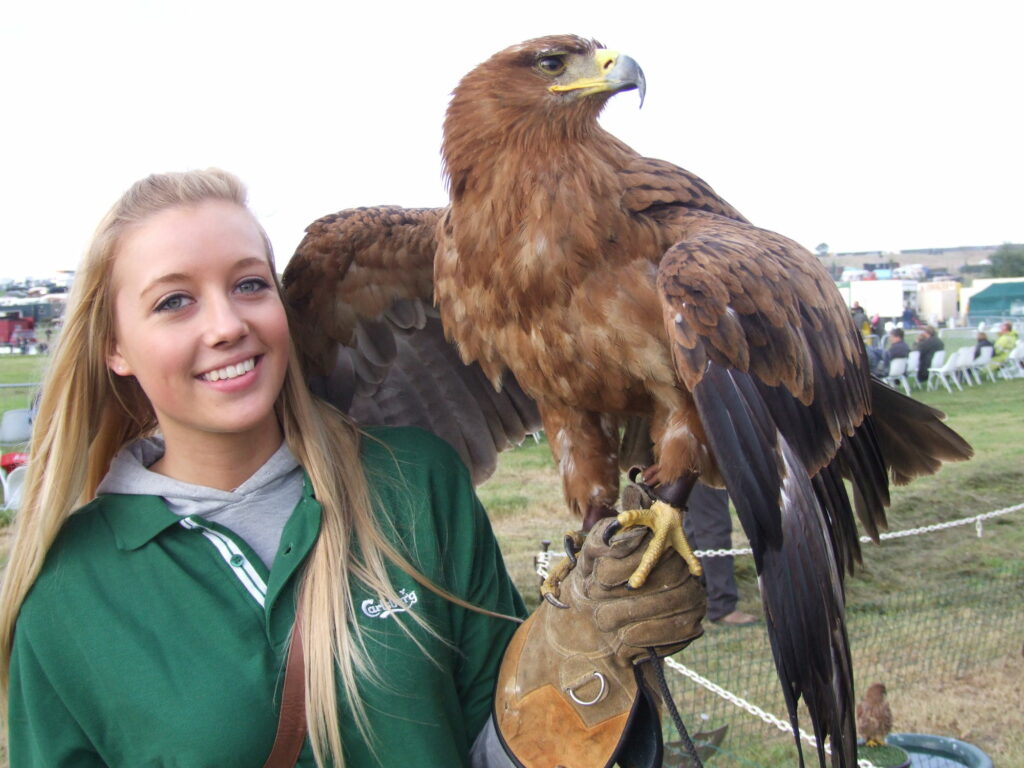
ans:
x=572 y=689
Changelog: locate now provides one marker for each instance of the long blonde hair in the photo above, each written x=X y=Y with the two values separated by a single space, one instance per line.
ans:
x=87 y=411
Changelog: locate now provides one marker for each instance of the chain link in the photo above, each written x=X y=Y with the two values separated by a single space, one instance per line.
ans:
x=976 y=519
x=723 y=552
x=753 y=709
x=542 y=560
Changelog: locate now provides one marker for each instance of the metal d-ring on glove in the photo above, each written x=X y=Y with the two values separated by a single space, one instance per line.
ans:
x=573 y=687
x=597 y=697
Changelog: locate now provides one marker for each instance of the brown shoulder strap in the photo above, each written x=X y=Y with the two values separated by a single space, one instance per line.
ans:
x=291 y=724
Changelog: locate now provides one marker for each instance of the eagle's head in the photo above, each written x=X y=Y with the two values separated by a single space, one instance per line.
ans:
x=532 y=94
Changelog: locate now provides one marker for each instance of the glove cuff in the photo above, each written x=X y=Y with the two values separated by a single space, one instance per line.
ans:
x=575 y=712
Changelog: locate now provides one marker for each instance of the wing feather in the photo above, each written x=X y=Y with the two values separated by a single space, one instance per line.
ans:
x=782 y=387
x=782 y=398
x=794 y=549
x=356 y=264
x=652 y=183
x=360 y=289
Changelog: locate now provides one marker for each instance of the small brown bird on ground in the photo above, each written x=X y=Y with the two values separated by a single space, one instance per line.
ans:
x=874 y=718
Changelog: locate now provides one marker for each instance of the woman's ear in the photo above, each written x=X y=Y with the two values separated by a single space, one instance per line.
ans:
x=117 y=363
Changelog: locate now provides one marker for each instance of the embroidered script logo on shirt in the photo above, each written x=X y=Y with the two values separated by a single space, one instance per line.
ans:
x=382 y=610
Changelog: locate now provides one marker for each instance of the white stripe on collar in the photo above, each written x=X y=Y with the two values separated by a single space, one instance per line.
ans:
x=234 y=557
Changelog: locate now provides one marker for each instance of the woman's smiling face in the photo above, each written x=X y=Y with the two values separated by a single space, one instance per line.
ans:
x=199 y=322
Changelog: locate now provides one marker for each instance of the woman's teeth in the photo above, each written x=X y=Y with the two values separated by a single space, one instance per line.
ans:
x=230 y=371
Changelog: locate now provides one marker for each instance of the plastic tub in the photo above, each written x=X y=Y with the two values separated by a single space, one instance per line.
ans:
x=928 y=751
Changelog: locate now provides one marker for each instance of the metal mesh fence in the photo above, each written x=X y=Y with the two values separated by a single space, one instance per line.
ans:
x=905 y=638
x=727 y=690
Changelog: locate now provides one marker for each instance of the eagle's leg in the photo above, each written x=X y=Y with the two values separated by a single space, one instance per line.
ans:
x=586 y=447
x=874 y=743
x=665 y=519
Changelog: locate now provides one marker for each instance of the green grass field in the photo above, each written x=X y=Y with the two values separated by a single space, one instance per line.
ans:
x=19 y=369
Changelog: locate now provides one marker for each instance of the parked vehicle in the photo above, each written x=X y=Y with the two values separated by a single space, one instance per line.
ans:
x=16 y=330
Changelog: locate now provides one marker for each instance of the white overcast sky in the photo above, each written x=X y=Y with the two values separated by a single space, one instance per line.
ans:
x=866 y=125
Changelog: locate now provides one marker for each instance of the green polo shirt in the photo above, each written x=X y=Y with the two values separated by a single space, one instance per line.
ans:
x=155 y=640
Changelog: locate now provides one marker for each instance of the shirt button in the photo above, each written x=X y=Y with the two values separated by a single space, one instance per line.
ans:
x=237 y=560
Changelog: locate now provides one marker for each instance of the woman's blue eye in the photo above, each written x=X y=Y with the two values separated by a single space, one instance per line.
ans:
x=171 y=303
x=252 y=285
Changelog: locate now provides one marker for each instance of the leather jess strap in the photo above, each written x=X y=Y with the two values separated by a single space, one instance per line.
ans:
x=291 y=723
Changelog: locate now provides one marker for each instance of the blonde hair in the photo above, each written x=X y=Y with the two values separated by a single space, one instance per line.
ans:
x=87 y=411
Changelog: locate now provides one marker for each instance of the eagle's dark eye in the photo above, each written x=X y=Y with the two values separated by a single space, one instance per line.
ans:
x=551 y=65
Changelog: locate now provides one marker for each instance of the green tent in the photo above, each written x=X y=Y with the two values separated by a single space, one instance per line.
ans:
x=997 y=301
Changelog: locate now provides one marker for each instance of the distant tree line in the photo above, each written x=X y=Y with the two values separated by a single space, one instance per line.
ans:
x=1007 y=261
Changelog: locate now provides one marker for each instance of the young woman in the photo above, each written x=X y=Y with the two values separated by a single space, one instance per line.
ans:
x=186 y=496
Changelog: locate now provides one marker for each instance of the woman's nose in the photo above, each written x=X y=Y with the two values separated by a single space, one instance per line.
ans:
x=224 y=323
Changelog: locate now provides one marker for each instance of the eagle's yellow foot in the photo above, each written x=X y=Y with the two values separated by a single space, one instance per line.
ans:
x=666 y=523
x=549 y=588
x=874 y=743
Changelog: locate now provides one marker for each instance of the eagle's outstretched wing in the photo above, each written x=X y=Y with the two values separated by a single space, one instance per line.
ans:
x=360 y=290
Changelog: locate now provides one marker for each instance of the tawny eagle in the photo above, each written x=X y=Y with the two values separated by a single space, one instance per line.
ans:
x=644 y=316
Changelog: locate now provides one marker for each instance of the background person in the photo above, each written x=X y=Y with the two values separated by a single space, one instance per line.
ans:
x=928 y=343
x=897 y=349
x=1004 y=344
x=860 y=319
x=708 y=525
x=981 y=342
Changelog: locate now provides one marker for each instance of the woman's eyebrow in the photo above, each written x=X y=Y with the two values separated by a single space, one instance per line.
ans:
x=177 y=277
x=171 y=277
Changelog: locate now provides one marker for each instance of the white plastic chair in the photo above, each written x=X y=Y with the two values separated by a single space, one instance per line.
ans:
x=1013 y=366
x=898 y=374
x=980 y=365
x=964 y=358
x=913 y=363
x=12 y=487
x=944 y=372
x=16 y=426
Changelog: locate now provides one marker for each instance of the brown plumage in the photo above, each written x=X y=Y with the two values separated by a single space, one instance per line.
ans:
x=360 y=289
x=874 y=718
x=631 y=302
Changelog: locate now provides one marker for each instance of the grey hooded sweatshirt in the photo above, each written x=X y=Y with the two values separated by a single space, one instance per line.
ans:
x=256 y=510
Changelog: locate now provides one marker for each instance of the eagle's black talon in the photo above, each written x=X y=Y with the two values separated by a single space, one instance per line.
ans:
x=636 y=478
x=610 y=531
x=570 y=549
x=554 y=600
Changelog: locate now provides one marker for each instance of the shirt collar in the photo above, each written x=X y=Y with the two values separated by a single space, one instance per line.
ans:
x=137 y=519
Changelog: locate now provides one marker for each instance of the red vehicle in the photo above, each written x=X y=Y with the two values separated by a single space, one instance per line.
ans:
x=17 y=330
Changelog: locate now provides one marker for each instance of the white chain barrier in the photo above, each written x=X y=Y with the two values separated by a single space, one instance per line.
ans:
x=978 y=521
x=753 y=709
x=543 y=560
